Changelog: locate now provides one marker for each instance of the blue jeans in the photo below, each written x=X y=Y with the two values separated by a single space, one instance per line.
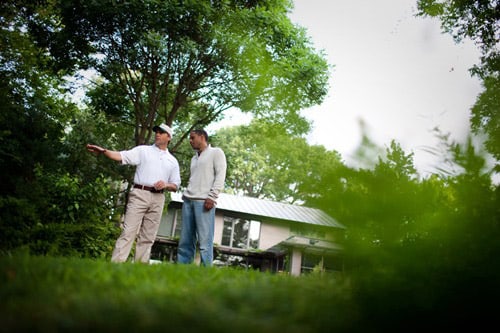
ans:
x=197 y=225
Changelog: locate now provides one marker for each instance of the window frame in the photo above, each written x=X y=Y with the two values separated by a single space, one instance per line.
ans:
x=233 y=220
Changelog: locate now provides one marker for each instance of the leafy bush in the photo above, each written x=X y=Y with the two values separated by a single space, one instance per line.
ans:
x=61 y=216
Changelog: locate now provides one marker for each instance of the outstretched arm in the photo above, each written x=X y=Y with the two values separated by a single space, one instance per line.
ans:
x=114 y=155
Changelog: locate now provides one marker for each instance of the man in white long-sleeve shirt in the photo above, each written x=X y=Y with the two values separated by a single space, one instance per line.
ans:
x=206 y=181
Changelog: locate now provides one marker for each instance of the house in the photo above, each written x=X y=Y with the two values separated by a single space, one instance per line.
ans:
x=261 y=234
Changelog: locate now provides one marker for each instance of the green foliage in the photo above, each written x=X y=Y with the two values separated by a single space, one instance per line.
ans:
x=415 y=248
x=45 y=206
x=270 y=160
x=419 y=248
x=18 y=216
x=486 y=115
x=178 y=61
x=31 y=120
x=478 y=20
x=448 y=274
x=61 y=216
x=475 y=19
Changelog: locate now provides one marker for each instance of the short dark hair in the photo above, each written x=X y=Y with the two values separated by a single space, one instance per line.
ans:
x=201 y=132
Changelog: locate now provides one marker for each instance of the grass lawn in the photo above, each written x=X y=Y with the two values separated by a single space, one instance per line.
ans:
x=45 y=294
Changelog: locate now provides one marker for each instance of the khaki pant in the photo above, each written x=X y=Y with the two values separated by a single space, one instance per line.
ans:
x=142 y=220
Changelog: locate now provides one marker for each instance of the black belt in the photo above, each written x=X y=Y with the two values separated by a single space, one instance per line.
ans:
x=148 y=188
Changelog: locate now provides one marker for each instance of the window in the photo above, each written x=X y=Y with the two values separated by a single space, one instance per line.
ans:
x=321 y=262
x=171 y=223
x=308 y=231
x=240 y=233
x=178 y=223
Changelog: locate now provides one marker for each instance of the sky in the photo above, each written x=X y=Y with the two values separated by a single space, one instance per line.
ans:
x=396 y=73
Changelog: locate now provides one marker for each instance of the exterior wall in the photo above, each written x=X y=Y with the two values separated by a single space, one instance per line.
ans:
x=219 y=227
x=272 y=234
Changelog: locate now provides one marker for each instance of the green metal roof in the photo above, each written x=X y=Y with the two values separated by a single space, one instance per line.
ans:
x=271 y=210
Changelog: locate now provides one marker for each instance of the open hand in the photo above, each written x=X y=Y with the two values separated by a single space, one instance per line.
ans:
x=95 y=149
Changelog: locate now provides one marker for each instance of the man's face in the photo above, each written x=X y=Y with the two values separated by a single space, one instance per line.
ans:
x=161 y=137
x=195 y=140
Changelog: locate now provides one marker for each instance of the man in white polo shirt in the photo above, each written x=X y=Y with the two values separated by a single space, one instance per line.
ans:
x=156 y=171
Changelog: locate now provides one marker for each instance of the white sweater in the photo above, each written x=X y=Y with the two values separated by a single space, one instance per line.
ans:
x=208 y=174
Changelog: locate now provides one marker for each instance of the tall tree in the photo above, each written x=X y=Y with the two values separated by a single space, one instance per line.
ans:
x=266 y=160
x=478 y=20
x=30 y=113
x=43 y=207
x=185 y=62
